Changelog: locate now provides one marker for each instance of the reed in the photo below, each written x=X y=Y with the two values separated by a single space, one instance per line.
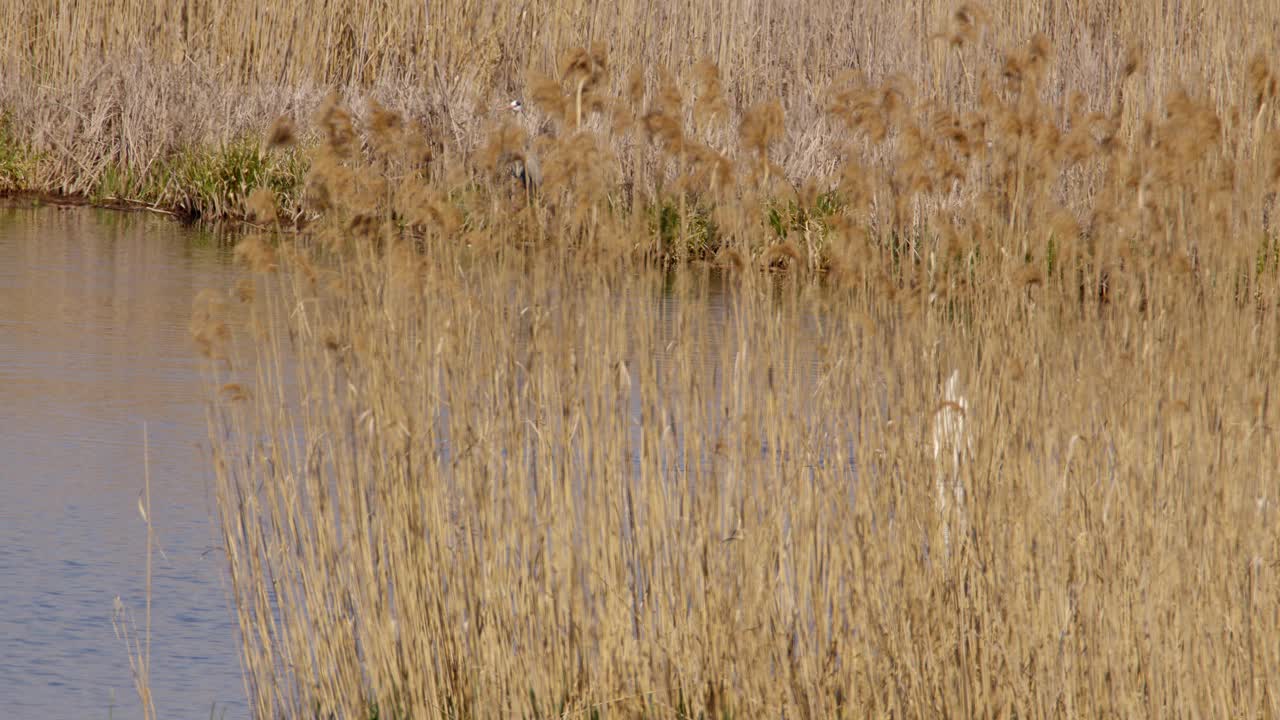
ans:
x=974 y=420
x=100 y=90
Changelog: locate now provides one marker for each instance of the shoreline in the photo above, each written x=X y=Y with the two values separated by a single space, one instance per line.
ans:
x=24 y=199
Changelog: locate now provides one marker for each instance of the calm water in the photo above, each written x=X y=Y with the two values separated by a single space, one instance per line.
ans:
x=94 y=346
x=94 y=309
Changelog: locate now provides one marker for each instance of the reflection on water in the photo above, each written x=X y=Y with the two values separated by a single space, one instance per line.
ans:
x=94 y=309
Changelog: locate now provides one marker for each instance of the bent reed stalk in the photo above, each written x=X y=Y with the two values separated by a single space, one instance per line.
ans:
x=478 y=455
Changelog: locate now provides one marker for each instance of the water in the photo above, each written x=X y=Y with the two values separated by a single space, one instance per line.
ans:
x=94 y=310
x=94 y=347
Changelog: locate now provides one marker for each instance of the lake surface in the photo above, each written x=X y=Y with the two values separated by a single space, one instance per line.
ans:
x=94 y=345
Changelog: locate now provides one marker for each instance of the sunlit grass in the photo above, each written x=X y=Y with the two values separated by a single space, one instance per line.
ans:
x=977 y=422
x=17 y=160
x=102 y=95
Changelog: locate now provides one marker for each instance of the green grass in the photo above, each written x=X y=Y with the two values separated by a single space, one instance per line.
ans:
x=695 y=230
x=194 y=183
x=200 y=183
x=17 y=159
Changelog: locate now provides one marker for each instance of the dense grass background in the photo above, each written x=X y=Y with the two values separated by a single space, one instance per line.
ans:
x=96 y=91
x=762 y=47
x=979 y=422
x=462 y=474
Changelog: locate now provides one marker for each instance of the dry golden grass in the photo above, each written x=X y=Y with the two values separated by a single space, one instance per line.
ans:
x=976 y=422
x=758 y=45
x=101 y=96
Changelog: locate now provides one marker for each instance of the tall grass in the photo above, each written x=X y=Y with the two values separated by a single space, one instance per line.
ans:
x=759 y=44
x=99 y=88
x=974 y=422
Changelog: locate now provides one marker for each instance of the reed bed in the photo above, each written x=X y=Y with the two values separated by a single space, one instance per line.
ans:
x=102 y=99
x=502 y=494
x=975 y=421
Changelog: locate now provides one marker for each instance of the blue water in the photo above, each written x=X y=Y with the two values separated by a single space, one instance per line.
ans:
x=94 y=311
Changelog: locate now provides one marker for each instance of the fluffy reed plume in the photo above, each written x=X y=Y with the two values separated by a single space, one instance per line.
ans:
x=282 y=132
x=338 y=127
x=208 y=325
x=385 y=129
x=967 y=23
x=256 y=253
x=585 y=71
x=710 y=103
x=260 y=205
x=762 y=128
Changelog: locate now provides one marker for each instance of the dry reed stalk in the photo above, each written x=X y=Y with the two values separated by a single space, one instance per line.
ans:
x=505 y=482
x=502 y=464
x=92 y=102
x=139 y=649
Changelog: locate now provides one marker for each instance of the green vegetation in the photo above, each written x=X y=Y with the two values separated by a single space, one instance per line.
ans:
x=17 y=160
x=216 y=184
x=206 y=183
